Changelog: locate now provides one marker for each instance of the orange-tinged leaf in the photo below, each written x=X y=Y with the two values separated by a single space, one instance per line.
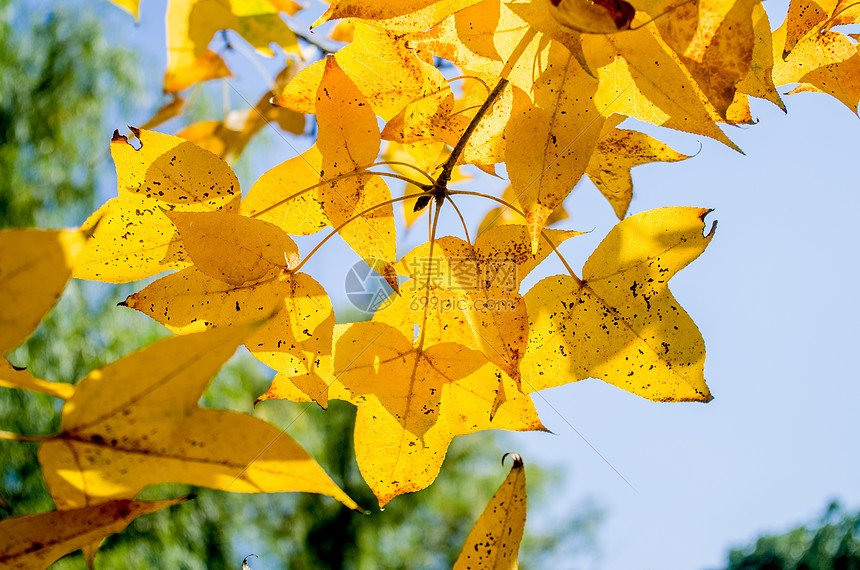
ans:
x=825 y=63
x=494 y=541
x=34 y=268
x=166 y=112
x=617 y=152
x=191 y=24
x=390 y=78
x=136 y=422
x=294 y=340
x=185 y=73
x=621 y=322
x=233 y=248
x=412 y=403
x=14 y=377
x=600 y=17
x=281 y=195
x=34 y=542
x=504 y=215
x=474 y=297
x=134 y=239
x=212 y=135
x=803 y=17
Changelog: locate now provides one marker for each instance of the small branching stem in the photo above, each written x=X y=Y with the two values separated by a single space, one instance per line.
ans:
x=347 y=222
x=521 y=213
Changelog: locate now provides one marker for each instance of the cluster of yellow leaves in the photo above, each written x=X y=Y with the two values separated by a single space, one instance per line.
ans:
x=131 y=424
x=459 y=348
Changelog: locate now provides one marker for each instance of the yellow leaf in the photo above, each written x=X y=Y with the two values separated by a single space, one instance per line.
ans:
x=281 y=195
x=130 y=6
x=34 y=268
x=504 y=215
x=494 y=541
x=474 y=295
x=592 y=17
x=825 y=63
x=294 y=340
x=617 y=152
x=166 y=112
x=412 y=403
x=233 y=248
x=641 y=77
x=803 y=17
x=36 y=541
x=349 y=142
x=134 y=239
x=136 y=422
x=390 y=79
x=403 y=16
x=759 y=80
x=621 y=322
x=14 y=377
x=192 y=23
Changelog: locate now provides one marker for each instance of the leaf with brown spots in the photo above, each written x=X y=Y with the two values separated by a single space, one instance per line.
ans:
x=134 y=239
x=494 y=541
x=412 y=402
x=295 y=339
x=620 y=322
x=34 y=542
x=136 y=422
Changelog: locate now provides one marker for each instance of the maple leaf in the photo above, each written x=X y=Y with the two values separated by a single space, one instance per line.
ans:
x=358 y=206
x=36 y=541
x=469 y=294
x=506 y=215
x=412 y=402
x=620 y=322
x=294 y=340
x=192 y=23
x=619 y=150
x=411 y=15
x=494 y=541
x=759 y=79
x=136 y=422
x=387 y=72
x=134 y=238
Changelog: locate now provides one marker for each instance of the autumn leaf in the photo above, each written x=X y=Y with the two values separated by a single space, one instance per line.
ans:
x=136 y=422
x=620 y=322
x=134 y=238
x=505 y=215
x=404 y=16
x=293 y=341
x=473 y=297
x=169 y=110
x=286 y=197
x=36 y=541
x=619 y=150
x=233 y=248
x=759 y=79
x=192 y=23
x=130 y=6
x=412 y=402
x=34 y=268
x=14 y=377
x=494 y=541
x=357 y=205
x=390 y=79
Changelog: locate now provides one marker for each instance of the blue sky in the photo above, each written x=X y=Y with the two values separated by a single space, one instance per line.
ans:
x=774 y=296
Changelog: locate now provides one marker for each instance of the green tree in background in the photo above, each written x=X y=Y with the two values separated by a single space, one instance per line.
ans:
x=833 y=543
x=59 y=80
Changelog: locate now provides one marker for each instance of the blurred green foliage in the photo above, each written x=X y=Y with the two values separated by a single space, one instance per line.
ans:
x=59 y=82
x=833 y=543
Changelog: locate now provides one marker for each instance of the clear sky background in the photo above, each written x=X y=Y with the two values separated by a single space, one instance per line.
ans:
x=774 y=296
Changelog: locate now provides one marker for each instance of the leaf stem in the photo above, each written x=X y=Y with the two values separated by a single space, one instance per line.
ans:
x=422 y=335
x=344 y=224
x=462 y=221
x=12 y=436
x=407 y=165
x=308 y=189
x=448 y=168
